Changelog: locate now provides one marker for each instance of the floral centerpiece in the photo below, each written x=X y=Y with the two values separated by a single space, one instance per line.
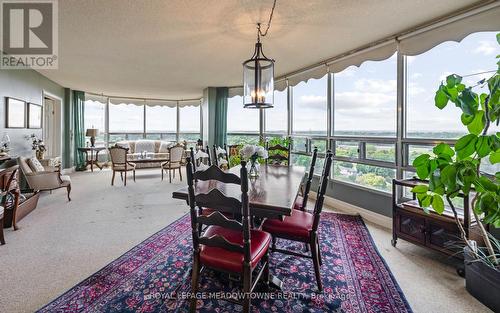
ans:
x=37 y=145
x=253 y=154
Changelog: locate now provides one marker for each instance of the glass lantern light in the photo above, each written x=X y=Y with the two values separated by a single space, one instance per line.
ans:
x=258 y=79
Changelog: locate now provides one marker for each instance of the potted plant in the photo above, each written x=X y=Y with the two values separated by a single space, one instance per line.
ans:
x=37 y=145
x=457 y=170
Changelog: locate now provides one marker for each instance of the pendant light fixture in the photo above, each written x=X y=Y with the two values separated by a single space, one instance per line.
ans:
x=258 y=74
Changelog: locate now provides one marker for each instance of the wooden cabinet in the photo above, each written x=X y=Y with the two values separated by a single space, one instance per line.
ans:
x=431 y=230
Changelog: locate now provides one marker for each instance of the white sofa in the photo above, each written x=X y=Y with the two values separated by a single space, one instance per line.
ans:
x=156 y=147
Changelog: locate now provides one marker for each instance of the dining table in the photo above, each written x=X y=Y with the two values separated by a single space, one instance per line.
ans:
x=270 y=195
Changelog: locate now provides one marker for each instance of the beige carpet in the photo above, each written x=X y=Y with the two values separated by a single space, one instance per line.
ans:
x=61 y=243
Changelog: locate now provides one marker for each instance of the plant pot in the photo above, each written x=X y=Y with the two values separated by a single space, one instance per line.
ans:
x=482 y=281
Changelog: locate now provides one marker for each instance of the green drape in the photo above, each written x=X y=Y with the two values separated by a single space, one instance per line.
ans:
x=78 y=128
x=220 y=135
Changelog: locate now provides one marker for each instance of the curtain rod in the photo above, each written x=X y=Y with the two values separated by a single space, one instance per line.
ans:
x=424 y=27
x=142 y=99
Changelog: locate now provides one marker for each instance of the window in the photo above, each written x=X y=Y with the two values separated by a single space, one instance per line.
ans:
x=242 y=124
x=189 y=123
x=381 y=152
x=95 y=115
x=348 y=149
x=126 y=117
x=161 y=119
x=374 y=177
x=427 y=70
x=365 y=99
x=310 y=107
x=277 y=117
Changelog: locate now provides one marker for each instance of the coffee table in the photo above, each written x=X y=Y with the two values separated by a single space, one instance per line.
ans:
x=137 y=158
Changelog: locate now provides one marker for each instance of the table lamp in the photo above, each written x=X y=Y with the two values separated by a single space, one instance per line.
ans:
x=92 y=133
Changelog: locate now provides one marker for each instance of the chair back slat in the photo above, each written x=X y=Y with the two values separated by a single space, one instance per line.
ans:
x=278 y=147
x=215 y=173
x=220 y=242
x=323 y=184
x=216 y=199
x=310 y=177
x=218 y=219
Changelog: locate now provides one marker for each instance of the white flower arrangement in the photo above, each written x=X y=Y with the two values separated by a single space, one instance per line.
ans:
x=253 y=152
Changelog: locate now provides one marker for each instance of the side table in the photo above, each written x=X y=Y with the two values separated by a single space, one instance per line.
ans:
x=90 y=157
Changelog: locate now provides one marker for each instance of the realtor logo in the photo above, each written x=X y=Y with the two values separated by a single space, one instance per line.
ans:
x=29 y=34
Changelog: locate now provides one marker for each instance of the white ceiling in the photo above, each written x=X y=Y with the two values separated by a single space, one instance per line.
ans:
x=174 y=49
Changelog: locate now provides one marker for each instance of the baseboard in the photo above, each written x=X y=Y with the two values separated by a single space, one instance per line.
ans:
x=348 y=208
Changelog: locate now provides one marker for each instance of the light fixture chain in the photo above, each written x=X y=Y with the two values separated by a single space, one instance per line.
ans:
x=263 y=34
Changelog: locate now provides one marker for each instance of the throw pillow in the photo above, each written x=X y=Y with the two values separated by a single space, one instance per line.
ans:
x=164 y=147
x=35 y=165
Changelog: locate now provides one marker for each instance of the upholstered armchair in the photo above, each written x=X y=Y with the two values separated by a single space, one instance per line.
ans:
x=119 y=163
x=176 y=153
x=44 y=178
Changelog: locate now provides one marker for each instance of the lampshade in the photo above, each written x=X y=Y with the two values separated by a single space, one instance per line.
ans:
x=92 y=132
x=258 y=80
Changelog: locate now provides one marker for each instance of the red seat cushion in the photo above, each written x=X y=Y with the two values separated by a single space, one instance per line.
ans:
x=298 y=225
x=298 y=203
x=233 y=261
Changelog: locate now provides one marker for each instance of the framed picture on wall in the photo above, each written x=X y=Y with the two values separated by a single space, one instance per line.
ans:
x=15 y=113
x=34 y=115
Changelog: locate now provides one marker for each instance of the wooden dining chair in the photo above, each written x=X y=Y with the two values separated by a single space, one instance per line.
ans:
x=227 y=245
x=278 y=154
x=301 y=200
x=10 y=192
x=120 y=164
x=302 y=226
x=10 y=197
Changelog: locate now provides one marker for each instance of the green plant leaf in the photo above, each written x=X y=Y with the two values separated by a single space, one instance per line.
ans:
x=423 y=171
x=421 y=159
x=438 y=204
x=487 y=184
x=449 y=177
x=443 y=149
x=495 y=157
x=466 y=119
x=483 y=146
x=468 y=101
x=466 y=146
x=441 y=98
x=453 y=80
x=476 y=126
x=420 y=189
